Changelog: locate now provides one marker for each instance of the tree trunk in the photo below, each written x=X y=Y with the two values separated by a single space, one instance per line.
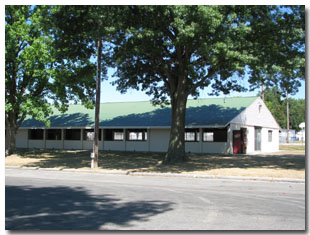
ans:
x=176 y=150
x=263 y=91
x=10 y=139
x=97 y=108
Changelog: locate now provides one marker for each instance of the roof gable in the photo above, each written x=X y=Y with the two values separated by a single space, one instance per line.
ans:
x=200 y=112
x=257 y=114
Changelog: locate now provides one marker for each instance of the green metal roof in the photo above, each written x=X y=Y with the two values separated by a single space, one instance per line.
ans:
x=200 y=112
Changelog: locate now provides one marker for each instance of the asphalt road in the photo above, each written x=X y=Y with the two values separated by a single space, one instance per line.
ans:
x=45 y=200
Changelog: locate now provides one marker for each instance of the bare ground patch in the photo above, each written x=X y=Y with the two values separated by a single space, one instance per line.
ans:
x=285 y=164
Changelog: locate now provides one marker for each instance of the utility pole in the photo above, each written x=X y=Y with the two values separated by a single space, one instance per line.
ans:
x=287 y=119
x=97 y=107
x=263 y=96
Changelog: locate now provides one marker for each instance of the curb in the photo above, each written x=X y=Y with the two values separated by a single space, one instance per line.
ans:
x=133 y=173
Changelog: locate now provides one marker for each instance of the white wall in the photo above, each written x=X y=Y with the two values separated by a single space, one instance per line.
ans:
x=265 y=145
x=22 y=139
x=88 y=144
x=54 y=144
x=114 y=145
x=255 y=116
x=36 y=144
x=72 y=144
x=272 y=146
x=192 y=147
x=159 y=140
x=215 y=147
x=250 y=138
x=137 y=146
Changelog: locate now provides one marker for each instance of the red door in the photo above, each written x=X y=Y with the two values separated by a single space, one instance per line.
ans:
x=236 y=141
x=239 y=141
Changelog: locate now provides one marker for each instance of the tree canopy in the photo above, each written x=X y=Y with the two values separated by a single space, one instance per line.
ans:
x=277 y=106
x=279 y=49
x=171 y=52
x=35 y=77
x=161 y=44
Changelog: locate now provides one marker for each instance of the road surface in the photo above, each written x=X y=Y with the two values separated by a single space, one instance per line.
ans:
x=45 y=200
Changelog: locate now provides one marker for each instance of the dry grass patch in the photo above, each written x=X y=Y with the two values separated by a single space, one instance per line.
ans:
x=254 y=172
x=292 y=147
x=285 y=165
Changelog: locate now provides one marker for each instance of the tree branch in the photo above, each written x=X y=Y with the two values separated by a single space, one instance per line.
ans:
x=20 y=121
x=211 y=72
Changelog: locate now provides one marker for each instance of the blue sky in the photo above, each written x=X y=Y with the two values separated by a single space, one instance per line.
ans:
x=110 y=94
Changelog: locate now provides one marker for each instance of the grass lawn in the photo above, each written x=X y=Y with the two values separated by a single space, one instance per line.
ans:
x=292 y=147
x=287 y=164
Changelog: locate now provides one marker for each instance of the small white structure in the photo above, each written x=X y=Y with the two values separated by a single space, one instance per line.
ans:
x=301 y=135
x=216 y=125
x=292 y=136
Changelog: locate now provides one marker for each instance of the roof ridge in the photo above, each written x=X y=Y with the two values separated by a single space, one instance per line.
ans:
x=143 y=113
x=141 y=101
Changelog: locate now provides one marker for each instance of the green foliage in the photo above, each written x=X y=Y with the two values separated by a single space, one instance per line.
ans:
x=297 y=112
x=161 y=45
x=279 y=48
x=28 y=64
x=207 y=45
x=171 y=52
x=277 y=106
x=35 y=77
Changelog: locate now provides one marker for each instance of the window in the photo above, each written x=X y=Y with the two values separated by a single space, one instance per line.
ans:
x=35 y=134
x=269 y=136
x=260 y=108
x=191 y=135
x=89 y=134
x=208 y=136
x=215 y=135
x=73 y=134
x=114 y=134
x=53 y=134
x=137 y=134
x=118 y=135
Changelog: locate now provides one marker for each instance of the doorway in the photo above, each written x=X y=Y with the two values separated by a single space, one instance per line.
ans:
x=239 y=141
x=258 y=138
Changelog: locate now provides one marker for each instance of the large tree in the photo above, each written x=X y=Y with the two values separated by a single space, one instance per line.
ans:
x=34 y=77
x=277 y=104
x=173 y=51
x=298 y=113
x=81 y=33
x=286 y=52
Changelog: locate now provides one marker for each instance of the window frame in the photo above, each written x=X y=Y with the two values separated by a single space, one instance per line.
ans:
x=196 y=132
x=35 y=130
x=206 y=139
x=118 y=132
x=142 y=131
x=270 y=134
x=49 y=130
x=112 y=133
x=73 y=129
x=91 y=130
x=218 y=135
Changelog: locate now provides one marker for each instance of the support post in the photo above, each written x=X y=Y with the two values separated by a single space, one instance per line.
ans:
x=200 y=140
x=97 y=108
x=44 y=137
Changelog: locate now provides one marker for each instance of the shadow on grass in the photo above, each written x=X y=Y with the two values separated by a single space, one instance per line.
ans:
x=67 y=208
x=146 y=161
